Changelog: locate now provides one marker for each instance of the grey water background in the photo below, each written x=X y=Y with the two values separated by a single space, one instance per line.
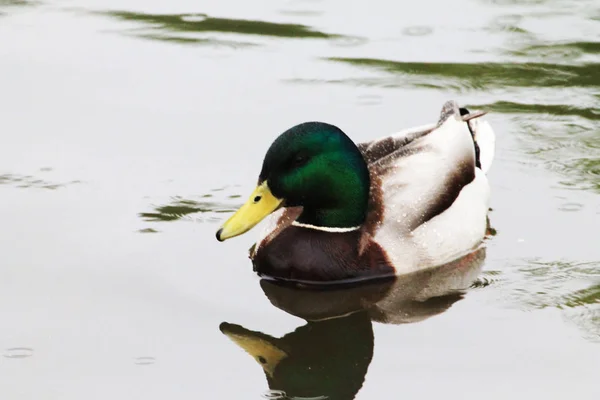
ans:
x=130 y=129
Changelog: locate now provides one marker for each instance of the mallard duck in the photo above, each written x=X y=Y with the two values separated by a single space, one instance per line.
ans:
x=342 y=211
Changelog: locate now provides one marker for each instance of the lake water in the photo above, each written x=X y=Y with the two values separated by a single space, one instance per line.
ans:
x=130 y=129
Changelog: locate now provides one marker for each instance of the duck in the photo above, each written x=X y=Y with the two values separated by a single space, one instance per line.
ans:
x=338 y=211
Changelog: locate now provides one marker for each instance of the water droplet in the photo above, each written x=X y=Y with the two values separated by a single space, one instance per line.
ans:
x=417 y=31
x=18 y=352
x=145 y=360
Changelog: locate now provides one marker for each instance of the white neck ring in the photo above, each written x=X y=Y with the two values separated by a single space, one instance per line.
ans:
x=326 y=228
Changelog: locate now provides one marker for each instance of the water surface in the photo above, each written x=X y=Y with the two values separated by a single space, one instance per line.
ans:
x=131 y=129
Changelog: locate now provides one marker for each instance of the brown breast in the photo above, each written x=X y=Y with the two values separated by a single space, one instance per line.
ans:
x=304 y=254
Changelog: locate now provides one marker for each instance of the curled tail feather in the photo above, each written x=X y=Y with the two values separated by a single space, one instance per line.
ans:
x=484 y=138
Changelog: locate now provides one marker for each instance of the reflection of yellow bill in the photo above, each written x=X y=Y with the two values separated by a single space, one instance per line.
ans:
x=267 y=354
x=260 y=204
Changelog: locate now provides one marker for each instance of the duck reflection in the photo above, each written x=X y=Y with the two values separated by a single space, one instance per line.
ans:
x=330 y=355
x=326 y=358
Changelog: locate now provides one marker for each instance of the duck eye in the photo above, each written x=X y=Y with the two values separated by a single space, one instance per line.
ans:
x=300 y=159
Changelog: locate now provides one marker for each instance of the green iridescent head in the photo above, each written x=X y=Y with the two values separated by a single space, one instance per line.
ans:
x=313 y=165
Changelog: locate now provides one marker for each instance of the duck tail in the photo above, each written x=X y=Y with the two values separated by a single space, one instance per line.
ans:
x=484 y=138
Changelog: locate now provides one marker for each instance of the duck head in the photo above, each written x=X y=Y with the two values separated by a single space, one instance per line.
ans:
x=315 y=166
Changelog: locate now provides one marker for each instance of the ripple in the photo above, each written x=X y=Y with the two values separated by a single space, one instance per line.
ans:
x=572 y=287
x=147 y=230
x=587 y=319
x=418 y=30
x=565 y=51
x=18 y=352
x=144 y=360
x=184 y=40
x=508 y=23
x=6 y=6
x=17 y=3
x=582 y=308
x=171 y=26
x=583 y=297
x=180 y=208
x=482 y=282
x=570 y=207
x=510 y=107
x=480 y=75
x=220 y=189
x=274 y=395
x=29 y=181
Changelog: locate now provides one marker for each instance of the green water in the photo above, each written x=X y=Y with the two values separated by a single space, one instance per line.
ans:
x=130 y=130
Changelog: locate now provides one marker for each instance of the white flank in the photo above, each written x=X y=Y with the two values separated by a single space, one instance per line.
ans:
x=486 y=139
x=414 y=184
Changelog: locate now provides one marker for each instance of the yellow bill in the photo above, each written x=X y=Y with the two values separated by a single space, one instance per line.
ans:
x=260 y=204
